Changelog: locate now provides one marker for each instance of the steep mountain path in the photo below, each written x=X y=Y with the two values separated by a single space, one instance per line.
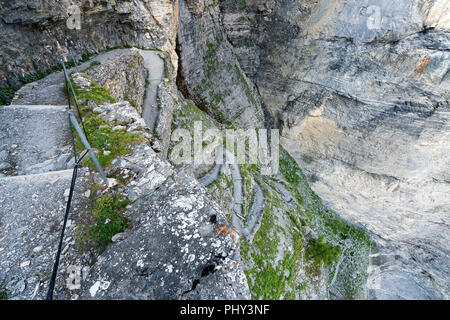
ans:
x=48 y=91
x=34 y=180
x=256 y=211
x=34 y=139
x=155 y=66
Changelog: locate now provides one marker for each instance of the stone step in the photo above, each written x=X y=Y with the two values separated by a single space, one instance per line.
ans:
x=34 y=139
x=32 y=209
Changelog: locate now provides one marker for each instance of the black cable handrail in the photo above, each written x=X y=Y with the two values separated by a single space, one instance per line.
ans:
x=84 y=138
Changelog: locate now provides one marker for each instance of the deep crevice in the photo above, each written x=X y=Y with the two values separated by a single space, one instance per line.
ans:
x=183 y=87
x=180 y=80
x=209 y=269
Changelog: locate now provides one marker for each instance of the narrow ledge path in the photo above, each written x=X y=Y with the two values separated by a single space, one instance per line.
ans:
x=256 y=211
x=155 y=66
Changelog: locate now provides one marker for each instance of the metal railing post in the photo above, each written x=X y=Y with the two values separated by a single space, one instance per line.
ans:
x=69 y=83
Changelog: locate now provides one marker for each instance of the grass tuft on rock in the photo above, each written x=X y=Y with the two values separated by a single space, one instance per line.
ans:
x=95 y=93
x=107 y=213
x=3 y=295
x=110 y=143
x=320 y=251
x=105 y=220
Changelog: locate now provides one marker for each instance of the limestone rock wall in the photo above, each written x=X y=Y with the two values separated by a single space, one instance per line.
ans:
x=38 y=34
x=361 y=92
x=209 y=72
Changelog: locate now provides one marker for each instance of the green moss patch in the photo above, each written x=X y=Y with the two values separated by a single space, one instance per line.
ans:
x=279 y=262
x=320 y=251
x=110 y=143
x=105 y=220
x=95 y=93
x=7 y=94
x=245 y=86
x=334 y=234
x=3 y=295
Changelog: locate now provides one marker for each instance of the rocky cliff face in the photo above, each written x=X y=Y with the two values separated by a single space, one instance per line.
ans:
x=207 y=60
x=290 y=218
x=360 y=91
x=39 y=34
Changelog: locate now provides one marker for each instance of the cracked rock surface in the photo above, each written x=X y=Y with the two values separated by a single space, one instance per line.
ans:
x=173 y=251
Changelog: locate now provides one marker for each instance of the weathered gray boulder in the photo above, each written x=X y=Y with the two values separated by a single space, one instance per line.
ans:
x=123 y=74
x=180 y=245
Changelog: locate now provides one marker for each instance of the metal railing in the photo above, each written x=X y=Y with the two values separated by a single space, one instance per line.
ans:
x=81 y=131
